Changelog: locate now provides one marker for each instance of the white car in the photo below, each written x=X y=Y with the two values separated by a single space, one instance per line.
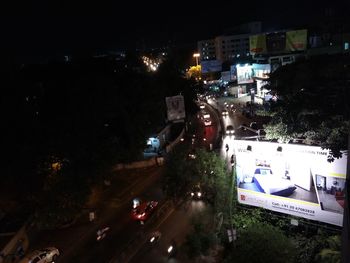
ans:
x=207 y=122
x=230 y=130
x=224 y=113
x=45 y=255
x=205 y=114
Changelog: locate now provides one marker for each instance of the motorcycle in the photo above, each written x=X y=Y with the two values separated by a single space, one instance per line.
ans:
x=172 y=250
x=155 y=236
x=102 y=233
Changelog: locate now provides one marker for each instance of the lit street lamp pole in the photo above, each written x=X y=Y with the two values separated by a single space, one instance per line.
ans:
x=196 y=55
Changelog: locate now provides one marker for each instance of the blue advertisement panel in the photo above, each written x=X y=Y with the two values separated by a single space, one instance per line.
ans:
x=226 y=76
x=233 y=73
x=261 y=70
x=210 y=66
x=291 y=179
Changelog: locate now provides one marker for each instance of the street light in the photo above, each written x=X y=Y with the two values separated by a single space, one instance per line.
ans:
x=196 y=55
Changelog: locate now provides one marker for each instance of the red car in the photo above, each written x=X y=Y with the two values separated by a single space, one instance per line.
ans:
x=144 y=210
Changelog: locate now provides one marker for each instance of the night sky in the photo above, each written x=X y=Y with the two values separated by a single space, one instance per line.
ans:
x=48 y=27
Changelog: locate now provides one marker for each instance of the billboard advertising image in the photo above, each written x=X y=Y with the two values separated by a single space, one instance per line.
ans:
x=276 y=42
x=244 y=74
x=257 y=44
x=210 y=66
x=175 y=108
x=233 y=72
x=292 y=179
x=261 y=71
x=296 y=40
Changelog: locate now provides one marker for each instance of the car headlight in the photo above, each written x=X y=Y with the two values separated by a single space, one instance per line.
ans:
x=192 y=194
x=199 y=194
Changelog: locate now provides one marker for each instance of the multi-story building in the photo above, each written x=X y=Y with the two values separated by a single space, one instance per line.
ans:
x=207 y=49
x=229 y=46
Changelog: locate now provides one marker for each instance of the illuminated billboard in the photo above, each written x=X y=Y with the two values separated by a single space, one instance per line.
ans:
x=291 y=179
x=257 y=44
x=244 y=74
x=210 y=66
x=296 y=40
x=175 y=108
x=261 y=71
x=276 y=42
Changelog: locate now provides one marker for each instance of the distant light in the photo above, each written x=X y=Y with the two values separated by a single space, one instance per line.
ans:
x=196 y=55
x=346 y=45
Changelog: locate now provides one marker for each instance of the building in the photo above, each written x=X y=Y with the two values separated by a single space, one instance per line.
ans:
x=207 y=49
x=233 y=44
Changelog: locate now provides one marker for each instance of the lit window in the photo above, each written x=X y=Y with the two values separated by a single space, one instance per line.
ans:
x=346 y=45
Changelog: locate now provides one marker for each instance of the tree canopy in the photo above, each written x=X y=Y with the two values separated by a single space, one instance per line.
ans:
x=312 y=102
x=91 y=112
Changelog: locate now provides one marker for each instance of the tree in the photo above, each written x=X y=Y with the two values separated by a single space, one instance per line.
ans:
x=207 y=168
x=332 y=253
x=261 y=243
x=312 y=102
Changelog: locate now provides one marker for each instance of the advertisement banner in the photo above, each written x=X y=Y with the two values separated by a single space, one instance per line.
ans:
x=292 y=179
x=226 y=76
x=296 y=40
x=276 y=42
x=261 y=71
x=233 y=73
x=257 y=44
x=175 y=108
x=208 y=66
x=244 y=74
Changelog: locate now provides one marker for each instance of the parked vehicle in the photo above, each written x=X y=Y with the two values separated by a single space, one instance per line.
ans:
x=45 y=255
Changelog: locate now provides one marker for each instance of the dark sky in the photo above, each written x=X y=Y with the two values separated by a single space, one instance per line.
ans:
x=51 y=26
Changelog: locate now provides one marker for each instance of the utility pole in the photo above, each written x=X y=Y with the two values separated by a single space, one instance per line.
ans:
x=346 y=220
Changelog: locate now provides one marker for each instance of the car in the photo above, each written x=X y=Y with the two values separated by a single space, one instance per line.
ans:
x=143 y=211
x=230 y=130
x=205 y=114
x=196 y=192
x=207 y=122
x=192 y=154
x=224 y=113
x=45 y=255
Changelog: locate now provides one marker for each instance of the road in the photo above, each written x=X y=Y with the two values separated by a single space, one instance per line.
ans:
x=126 y=237
x=174 y=228
x=78 y=242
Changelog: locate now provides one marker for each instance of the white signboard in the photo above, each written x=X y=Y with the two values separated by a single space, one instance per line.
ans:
x=292 y=179
x=175 y=108
x=244 y=74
